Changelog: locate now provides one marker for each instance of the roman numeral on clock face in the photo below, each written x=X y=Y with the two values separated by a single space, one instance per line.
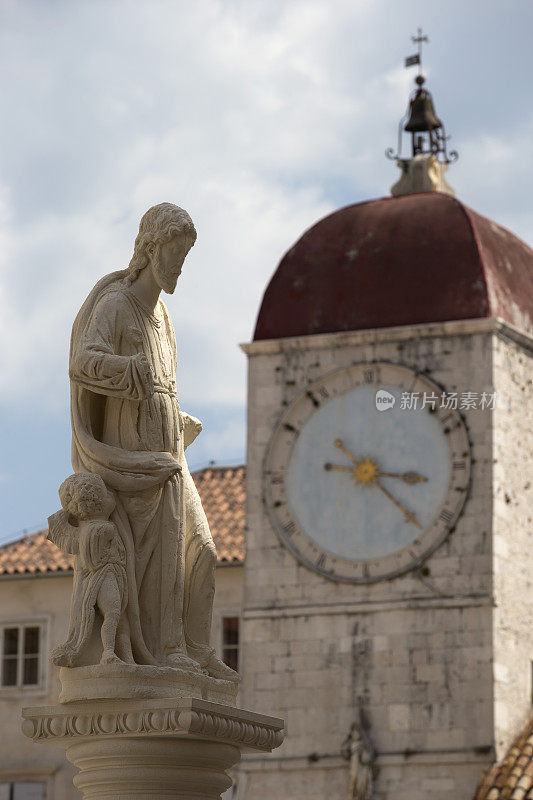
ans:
x=313 y=399
x=289 y=528
x=290 y=428
x=445 y=515
x=321 y=561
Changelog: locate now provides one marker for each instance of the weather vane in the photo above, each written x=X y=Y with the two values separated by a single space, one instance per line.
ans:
x=410 y=61
x=428 y=135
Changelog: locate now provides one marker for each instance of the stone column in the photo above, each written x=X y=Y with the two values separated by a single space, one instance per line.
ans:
x=152 y=749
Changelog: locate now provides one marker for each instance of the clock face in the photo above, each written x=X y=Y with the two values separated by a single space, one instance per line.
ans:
x=359 y=485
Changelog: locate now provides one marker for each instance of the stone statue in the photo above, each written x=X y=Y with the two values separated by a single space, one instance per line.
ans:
x=146 y=709
x=99 y=569
x=128 y=431
x=359 y=752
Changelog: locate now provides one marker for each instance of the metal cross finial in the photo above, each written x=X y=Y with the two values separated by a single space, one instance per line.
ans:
x=418 y=39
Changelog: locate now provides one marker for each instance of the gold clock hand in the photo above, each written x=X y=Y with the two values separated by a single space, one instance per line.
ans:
x=338 y=443
x=342 y=469
x=408 y=477
x=409 y=515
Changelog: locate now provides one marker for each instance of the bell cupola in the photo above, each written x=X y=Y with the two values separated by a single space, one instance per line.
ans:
x=424 y=170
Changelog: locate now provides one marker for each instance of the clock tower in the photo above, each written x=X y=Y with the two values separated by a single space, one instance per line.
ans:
x=389 y=557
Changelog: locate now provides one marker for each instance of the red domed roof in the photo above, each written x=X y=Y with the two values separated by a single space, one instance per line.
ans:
x=406 y=260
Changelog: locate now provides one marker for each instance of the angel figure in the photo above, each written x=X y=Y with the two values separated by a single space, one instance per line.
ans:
x=82 y=528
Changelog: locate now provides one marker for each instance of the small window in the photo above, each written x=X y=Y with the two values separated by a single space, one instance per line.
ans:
x=23 y=790
x=21 y=654
x=230 y=642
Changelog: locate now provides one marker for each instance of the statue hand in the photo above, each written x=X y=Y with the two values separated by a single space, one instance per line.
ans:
x=192 y=427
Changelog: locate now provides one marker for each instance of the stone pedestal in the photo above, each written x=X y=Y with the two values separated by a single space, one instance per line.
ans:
x=422 y=173
x=152 y=749
x=140 y=682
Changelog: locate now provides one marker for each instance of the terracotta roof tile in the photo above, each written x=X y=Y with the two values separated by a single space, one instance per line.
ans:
x=512 y=777
x=33 y=554
x=223 y=494
x=222 y=490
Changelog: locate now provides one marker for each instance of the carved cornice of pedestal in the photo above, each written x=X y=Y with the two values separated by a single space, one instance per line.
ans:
x=189 y=718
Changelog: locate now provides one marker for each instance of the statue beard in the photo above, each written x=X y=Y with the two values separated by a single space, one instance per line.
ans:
x=166 y=281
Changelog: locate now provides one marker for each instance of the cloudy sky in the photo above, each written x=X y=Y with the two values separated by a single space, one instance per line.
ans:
x=258 y=117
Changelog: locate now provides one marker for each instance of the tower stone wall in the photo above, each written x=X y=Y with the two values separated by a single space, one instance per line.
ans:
x=512 y=537
x=415 y=652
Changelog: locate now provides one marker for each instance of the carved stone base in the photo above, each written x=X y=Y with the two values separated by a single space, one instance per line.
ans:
x=108 y=681
x=152 y=750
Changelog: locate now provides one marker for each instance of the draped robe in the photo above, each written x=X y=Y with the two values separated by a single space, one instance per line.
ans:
x=134 y=439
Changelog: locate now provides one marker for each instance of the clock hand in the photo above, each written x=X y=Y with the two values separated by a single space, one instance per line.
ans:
x=408 y=477
x=372 y=480
x=366 y=473
x=409 y=515
x=338 y=443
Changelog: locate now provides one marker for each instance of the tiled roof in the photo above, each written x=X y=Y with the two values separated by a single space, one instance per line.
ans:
x=223 y=494
x=33 y=554
x=512 y=777
x=222 y=490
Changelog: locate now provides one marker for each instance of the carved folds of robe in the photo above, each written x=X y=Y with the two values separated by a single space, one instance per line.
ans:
x=134 y=439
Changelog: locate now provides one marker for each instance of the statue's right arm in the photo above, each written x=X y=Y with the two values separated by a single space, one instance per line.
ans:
x=62 y=533
x=95 y=362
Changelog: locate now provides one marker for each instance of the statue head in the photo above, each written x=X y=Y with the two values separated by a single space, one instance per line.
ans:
x=166 y=234
x=84 y=495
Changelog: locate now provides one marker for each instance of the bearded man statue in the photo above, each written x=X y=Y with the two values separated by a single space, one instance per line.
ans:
x=127 y=428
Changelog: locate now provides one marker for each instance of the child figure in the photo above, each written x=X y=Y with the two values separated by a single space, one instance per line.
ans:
x=82 y=528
